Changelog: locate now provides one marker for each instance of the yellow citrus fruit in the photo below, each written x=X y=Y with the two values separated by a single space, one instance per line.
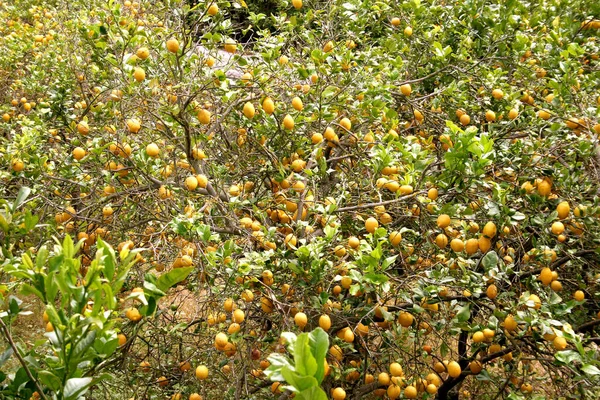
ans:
x=432 y=194
x=249 y=110
x=337 y=393
x=152 y=150
x=383 y=378
x=300 y=319
x=472 y=246
x=213 y=10
x=173 y=45
x=139 y=74
x=443 y=221
x=191 y=183
x=491 y=292
x=406 y=89
x=230 y=46
x=395 y=238
x=325 y=322
x=557 y=228
x=410 y=392
x=457 y=245
x=396 y=369
x=83 y=127
x=441 y=241
x=204 y=116
x=559 y=343
x=238 y=316
x=537 y=303
x=353 y=242
x=133 y=314
x=478 y=337
x=405 y=319
x=489 y=230
x=268 y=105
x=201 y=372
x=297 y=104
x=563 y=209
x=371 y=224
x=497 y=94
x=346 y=124
x=78 y=153
x=465 y=119
x=288 y=122
x=475 y=366
x=544 y=188
x=484 y=244
x=454 y=369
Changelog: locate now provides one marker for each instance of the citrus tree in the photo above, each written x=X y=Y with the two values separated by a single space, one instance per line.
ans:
x=419 y=180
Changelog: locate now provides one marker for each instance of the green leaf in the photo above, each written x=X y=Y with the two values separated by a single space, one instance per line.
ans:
x=4 y=357
x=27 y=290
x=567 y=356
x=172 y=278
x=50 y=380
x=464 y=313
x=84 y=344
x=68 y=248
x=297 y=380
x=76 y=387
x=22 y=195
x=152 y=289
x=278 y=361
x=108 y=258
x=304 y=360
x=376 y=279
x=590 y=369
x=312 y=393
x=319 y=343
x=490 y=260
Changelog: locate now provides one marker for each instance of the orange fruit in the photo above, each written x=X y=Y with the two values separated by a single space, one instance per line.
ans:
x=371 y=224
x=173 y=45
x=443 y=221
x=152 y=150
x=78 y=153
x=337 y=393
x=249 y=110
x=201 y=372
x=454 y=369
x=465 y=119
x=406 y=89
x=325 y=322
x=268 y=105
x=288 y=122
x=213 y=10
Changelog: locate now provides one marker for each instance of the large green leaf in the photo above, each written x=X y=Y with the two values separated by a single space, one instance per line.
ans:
x=312 y=393
x=50 y=380
x=172 y=278
x=278 y=361
x=303 y=358
x=76 y=387
x=298 y=381
x=22 y=195
x=319 y=343
x=5 y=356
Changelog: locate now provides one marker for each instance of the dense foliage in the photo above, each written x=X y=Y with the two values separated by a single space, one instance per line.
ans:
x=419 y=179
